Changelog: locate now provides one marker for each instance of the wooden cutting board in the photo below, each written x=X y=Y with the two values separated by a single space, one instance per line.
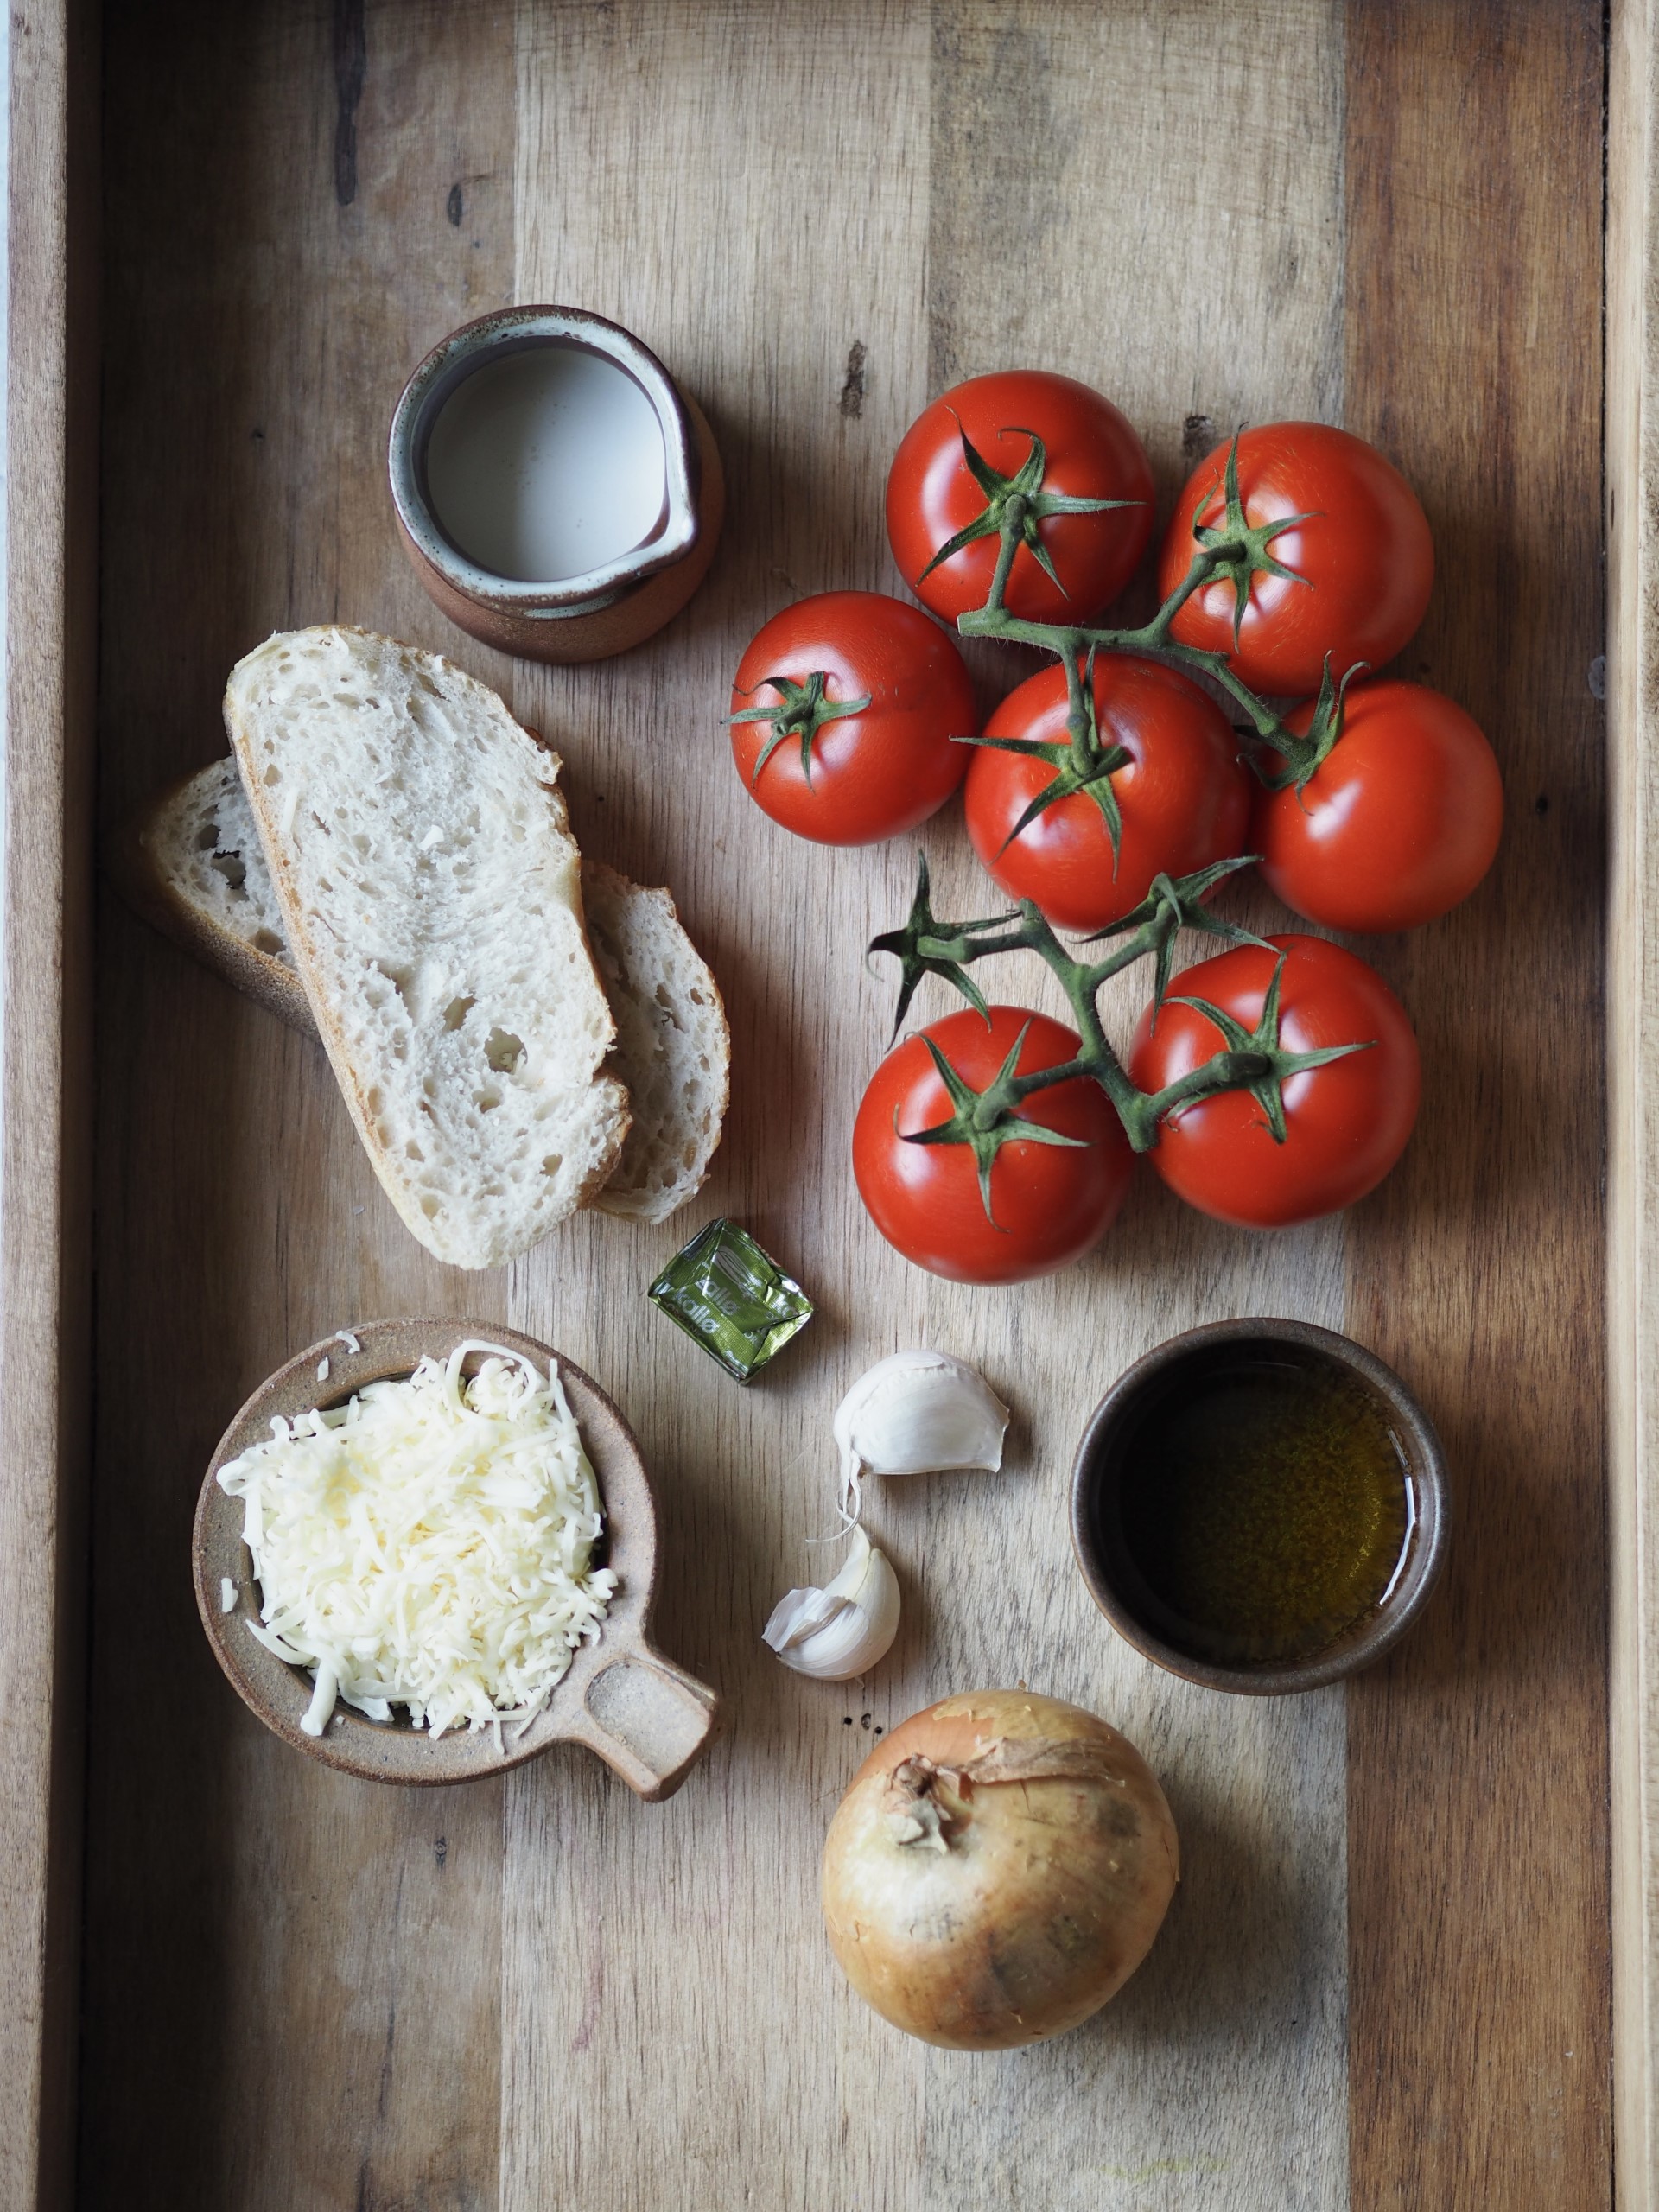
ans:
x=1385 y=1982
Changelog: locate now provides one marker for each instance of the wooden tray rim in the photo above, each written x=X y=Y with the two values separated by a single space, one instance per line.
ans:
x=45 y=1040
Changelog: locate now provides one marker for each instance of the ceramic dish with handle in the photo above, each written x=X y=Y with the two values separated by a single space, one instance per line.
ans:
x=647 y=1718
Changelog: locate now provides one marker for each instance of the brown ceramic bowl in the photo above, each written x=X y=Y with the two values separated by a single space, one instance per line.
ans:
x=1175 y=1367
x=645 y=1718
x=577 y=617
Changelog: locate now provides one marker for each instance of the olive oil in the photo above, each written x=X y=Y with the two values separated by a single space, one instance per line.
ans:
x=1262 y=1509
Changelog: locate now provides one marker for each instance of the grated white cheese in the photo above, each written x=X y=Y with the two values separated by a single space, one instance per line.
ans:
x=428 y=1544
x=226 y=1594
x=322 y=1371
x=344 y=1336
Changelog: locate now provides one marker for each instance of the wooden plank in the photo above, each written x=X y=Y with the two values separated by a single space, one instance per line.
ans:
x=294 y=1995
x=1204 y=282
x=693 y=1933
x=45 y=1087
x=1632 y=473
x=1478 y=1850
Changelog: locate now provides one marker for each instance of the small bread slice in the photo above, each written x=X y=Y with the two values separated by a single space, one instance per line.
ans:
x=190 y=862
x=429 y=883
x=672 y=1045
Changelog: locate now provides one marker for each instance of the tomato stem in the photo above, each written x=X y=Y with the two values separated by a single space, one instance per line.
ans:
x=988 y=1119
x=1203 y=567
x=1228 y=1070
x=1220 y=558
x=1013 y=523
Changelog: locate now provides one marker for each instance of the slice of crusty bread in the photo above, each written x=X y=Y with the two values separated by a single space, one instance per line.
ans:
x=430 y=896
x=191 y=863
x=672 y=1045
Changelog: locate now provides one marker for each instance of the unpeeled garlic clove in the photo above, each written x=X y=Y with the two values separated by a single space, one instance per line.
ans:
x=843 y=1630
x=916 y=1413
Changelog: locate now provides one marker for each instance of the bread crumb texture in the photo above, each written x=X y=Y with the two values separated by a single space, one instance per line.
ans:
x=422 y=854
x=673 y=1043
x=203 y=844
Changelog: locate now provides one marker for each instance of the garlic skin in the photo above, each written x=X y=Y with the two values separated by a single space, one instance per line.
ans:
x=843 y=1630
x=916 y=1413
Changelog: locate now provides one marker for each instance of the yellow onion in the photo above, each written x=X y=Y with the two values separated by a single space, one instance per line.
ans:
x=997 y=1870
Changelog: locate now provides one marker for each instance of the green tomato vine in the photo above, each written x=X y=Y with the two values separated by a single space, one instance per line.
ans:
x=1233 y=550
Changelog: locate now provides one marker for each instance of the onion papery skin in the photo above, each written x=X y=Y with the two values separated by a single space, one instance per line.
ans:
x=1046 y=1895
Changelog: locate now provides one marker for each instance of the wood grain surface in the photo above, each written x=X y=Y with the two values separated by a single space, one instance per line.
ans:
x=1632 y=470
x=1478 y=1956
x=539 y=1991
x=49 y=552
x=318 y=1958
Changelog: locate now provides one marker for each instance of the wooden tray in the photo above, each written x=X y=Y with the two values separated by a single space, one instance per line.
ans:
x=1387 y=1980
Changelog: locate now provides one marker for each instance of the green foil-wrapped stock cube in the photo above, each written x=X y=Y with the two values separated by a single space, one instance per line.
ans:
x=732 y=1297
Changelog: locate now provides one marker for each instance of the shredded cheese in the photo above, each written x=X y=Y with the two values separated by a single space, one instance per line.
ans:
x=427 y=1545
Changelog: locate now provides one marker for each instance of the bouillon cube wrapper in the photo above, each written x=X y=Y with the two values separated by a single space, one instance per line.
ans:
x=732 y=1297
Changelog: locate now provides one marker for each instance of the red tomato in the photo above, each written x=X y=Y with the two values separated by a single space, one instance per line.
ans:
x=1051 y=1202
x=1398 y=824
x=1346 y=1123
x=1183 y=796
x=872 y=774
x=1091 y=452
x=1364 y=550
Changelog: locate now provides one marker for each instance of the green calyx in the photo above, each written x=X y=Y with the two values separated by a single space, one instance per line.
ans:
x=1238 y=549
x=924 y=947
x=1262 y=1064
x=1303 y=757
x=802 y=712
x=987 y=1120
x=1014 y=507
x=1082 y=766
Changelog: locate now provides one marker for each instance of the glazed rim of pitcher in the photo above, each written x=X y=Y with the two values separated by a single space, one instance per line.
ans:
x=491 y=338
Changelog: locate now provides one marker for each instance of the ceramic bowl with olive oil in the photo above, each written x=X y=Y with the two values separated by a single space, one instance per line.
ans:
x=1260 y=1506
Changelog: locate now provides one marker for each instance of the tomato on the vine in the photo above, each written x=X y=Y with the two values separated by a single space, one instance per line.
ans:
x=1049 y=1202
x=1181 y=799
x=1398 y=822
x=1346 y=1123
x=1085 y=451
x=844 y=710
x=1362 y=546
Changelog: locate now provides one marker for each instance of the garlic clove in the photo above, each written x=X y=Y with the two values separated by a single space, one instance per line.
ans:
x=801 y=1613
x=916 y=1413
x=843 y=1630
